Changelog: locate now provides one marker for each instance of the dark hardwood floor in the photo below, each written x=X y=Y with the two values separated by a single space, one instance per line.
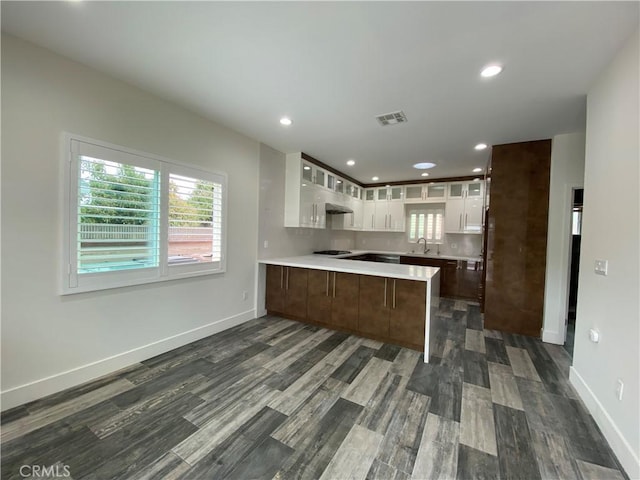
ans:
x=277 y=399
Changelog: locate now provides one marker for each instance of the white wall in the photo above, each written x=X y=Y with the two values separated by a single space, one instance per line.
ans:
x=567 y=173
x=51 y=342
x=610 y=231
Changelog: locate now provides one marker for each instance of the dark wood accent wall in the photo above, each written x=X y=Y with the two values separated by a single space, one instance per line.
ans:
x=517 y=237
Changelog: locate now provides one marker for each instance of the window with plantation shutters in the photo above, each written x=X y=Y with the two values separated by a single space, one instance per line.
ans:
x=118 y=216
x=134 y=218
x=427 y=222
x=195 y=220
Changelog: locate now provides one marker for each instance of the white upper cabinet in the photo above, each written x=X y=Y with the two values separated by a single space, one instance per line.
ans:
x=464 y=208
x=370 y=195
x=465 y=189
x=389 y=209
x=305 y=193
x=425 y=193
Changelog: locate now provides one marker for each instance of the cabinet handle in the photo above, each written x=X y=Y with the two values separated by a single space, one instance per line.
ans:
x=384 y=302
x=389 y=221
x=327 y=284
x=372 y=220
x=394 y=294
x=281 y=278
x=334 y=284
x=465 y=220
x=460 y=223
x=287 y=285
x=385 y=221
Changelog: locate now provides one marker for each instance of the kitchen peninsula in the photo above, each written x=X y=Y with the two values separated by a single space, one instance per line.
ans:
x=389 y=302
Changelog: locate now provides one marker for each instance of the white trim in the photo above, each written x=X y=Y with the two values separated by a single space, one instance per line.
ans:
x=626 y=456
x=553 y=336
x=55 y=383
x=555 y=321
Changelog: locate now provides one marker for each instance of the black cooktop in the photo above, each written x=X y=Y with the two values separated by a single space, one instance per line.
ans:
x=332 y=252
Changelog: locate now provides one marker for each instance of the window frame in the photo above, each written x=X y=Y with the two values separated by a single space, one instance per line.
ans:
x=71 y=282
x=426 y=210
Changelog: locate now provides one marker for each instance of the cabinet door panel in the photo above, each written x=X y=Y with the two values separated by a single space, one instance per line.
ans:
x=469 y=277
x=296 y=292
x=275 y=289
x=454 y=216
x=449 y=279
x=381 y=215
x=368 y=215
x=346 y=287
x=408 y=310
x=396 y=216
x=473 y=215
x=319 y=296
x=373 y=316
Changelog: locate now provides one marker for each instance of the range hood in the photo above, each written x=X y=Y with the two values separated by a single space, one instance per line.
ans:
x=334 y=209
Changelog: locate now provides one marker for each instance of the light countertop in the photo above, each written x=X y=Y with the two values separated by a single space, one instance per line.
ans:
x=414 y=254
x=337 y=264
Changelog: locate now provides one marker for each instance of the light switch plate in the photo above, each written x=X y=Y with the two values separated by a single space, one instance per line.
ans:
x=601 y=267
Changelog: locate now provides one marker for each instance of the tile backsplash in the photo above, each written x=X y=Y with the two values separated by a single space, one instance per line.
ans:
x=454 y=243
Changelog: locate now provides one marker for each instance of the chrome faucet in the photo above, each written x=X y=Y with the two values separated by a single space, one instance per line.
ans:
x=425 y=244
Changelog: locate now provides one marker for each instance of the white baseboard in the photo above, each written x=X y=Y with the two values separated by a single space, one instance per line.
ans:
x=626 y=456
x=552 y=336
x=61 y=381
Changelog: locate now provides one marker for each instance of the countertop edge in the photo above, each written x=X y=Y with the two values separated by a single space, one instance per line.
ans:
x=390 y=270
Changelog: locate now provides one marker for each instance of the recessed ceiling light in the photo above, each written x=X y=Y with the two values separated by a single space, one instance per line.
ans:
x=375 y=179
x=491 y=71
x=306 y=167
x=424 y=165
x=480 y=146
x=477 y=170
x=285 y=121
x=351 y=163
x=425 y=174
x=338 y=181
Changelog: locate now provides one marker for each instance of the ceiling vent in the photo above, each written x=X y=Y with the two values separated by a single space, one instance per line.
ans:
x=392 y=118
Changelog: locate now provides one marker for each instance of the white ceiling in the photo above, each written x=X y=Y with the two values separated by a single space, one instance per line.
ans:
x=333 y=66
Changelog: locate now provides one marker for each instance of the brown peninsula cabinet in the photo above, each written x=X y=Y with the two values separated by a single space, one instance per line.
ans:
x=393 y=309
x=330 y=298
x=287 y=291
x=386 y=309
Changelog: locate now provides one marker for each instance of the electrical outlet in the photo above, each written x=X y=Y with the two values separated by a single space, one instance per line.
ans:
x=600 y=267
x=619 y=389
x=245 y=295
x=266 y=244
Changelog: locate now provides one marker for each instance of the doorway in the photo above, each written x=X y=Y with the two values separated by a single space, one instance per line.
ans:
x=576 y=238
